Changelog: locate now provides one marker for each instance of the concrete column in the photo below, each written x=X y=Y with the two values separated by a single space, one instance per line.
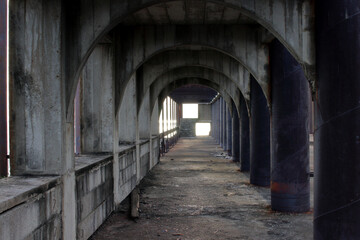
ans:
x=128 y=114
x=144 y=120
x=224 y=123
x=228 y=131
x=38 y=108
x=235 y=135
x=221 y=122
x=97 y=111
x=259 y=137
x=244 y=137
x=77 y=119
x=337 y=138
x=218 y=103
x=3 y=93
x=212 y=119
x=290 y=180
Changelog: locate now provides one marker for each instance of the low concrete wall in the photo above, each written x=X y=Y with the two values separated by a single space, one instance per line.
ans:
x=155 y=158
x=144 y=158
x=94 y=194
x=31 y=207
x=127 y=172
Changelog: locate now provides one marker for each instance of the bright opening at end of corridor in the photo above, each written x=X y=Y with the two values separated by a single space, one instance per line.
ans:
x=202 y=129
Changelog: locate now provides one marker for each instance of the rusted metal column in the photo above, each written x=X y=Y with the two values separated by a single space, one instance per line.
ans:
x=235 y=135
x=259 y=137
x=244 y=137
x=3 y=93
x=290 y=91
x=224 y=123
x=337 y=131
x=228 y=131
x=221 y=122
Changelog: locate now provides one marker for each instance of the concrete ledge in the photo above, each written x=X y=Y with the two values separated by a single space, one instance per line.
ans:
x=84 y=163
x=17 y=190
x=126 y=148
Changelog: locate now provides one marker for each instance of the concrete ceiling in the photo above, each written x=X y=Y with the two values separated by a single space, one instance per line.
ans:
x=187 y=12
x=193 y=93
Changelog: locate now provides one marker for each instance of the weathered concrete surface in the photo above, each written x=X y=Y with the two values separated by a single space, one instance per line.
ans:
x=94 y=194
x=192 y=194
x=288 y=20
x=30 y=208
x=97 y=108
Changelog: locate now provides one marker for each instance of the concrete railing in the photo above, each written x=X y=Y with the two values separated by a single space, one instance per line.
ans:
x=35 y=203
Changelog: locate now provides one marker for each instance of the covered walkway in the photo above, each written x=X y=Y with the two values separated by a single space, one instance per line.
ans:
x=195 y=193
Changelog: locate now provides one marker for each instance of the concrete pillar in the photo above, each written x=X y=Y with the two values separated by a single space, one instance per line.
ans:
x=154 y=130
x=212 y=119
x=259 y=137
x=3 y=93
x=217 y=121
x=235 y=135
x=228 y=131
x=221 y=122
x=290 y=180
x=155 y=120
x=218 y=132
x=144 y=120
x=38 y=108
x=128 y=114
x=97 y=101
x=42 y=142
x=77 y=119
x=337 y=138
x=224 y=123
x=244 y=137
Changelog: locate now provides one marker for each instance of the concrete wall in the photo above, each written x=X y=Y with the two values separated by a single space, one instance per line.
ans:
x=128 y=114
x=144 y=158
x=38 y=215
x=31 y=208
x=94 y=196
x=187 y=127
x=97 y=108
x=127 y=172
x=205 y=112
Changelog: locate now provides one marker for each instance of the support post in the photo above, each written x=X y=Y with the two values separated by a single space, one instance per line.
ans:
x=337 y=137
x=290 y=180
x=235 y=135
x=228 y=131
x=260 y=137
x=3 y=87
x=244 y=137
x=221 y=122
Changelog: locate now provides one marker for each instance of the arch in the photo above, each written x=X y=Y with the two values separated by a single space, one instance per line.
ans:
x=189 y=72
x=240 y=42
x=290 y=21
x=186 y=81
x=210 y=59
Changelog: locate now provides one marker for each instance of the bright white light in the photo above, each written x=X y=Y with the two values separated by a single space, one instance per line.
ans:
x=202 y=129
x=190 y=111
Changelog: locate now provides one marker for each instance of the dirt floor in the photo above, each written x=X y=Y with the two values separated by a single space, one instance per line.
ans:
x=197 y=193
